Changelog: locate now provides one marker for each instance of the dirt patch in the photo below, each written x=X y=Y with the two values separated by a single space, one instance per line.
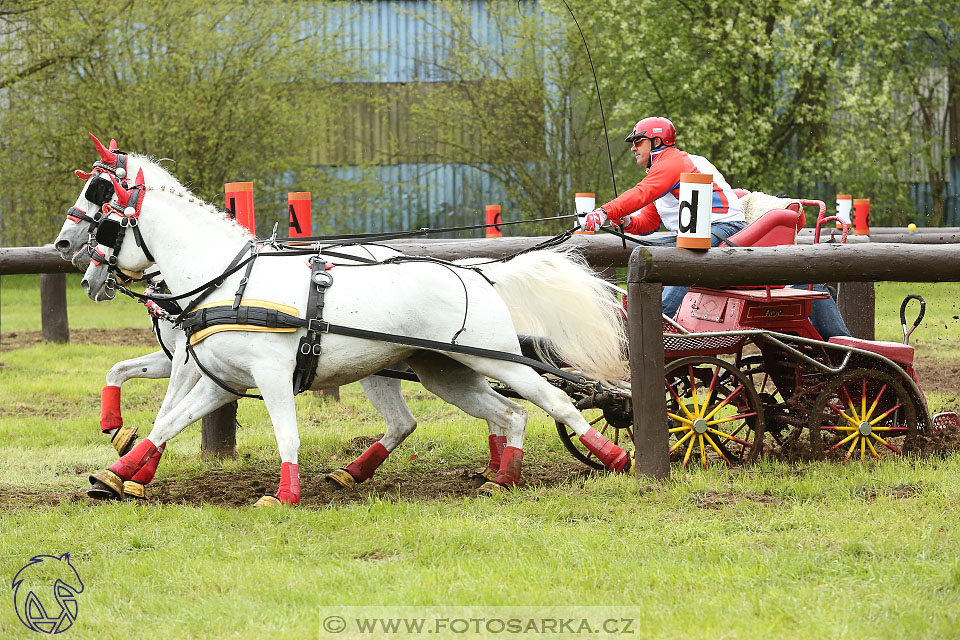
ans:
x=900 y=492
x=718 y=500
x=125 y=337
x=242 y=488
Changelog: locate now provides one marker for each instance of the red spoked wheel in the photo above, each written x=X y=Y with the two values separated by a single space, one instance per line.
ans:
x=864 y=413
x=714 y=413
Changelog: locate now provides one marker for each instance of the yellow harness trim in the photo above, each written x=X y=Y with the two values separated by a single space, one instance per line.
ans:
x=252 y=302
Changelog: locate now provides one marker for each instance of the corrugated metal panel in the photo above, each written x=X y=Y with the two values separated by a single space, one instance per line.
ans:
x=402 y=44
x=420 y=195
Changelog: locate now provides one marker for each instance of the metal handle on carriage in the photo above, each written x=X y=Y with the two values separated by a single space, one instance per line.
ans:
x=903 y=315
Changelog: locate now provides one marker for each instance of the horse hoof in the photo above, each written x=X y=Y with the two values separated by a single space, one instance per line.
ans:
x=628 y=468
x=491 y=488
x=482 y=477
x=341 y=479
x=105 y=485
x=123 y=439
x=134 y=490
x=268 y=501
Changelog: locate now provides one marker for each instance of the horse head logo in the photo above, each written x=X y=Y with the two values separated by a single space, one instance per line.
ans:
x=37 y=609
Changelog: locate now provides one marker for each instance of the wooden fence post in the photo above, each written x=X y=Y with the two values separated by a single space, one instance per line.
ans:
x=858 y=306
x=219 y=433
x=646 y=380
x=53 y=307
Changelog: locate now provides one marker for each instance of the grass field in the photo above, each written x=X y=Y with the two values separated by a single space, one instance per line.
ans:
x=812 y=550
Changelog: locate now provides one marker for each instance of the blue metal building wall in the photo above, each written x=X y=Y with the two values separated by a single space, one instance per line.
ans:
x=399 y=46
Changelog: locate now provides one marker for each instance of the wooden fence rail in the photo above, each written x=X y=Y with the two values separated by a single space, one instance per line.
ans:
x=652 y=267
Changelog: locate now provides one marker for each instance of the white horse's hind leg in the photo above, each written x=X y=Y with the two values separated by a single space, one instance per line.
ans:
x=384 y=395
x=555 y=402
x=465 y=388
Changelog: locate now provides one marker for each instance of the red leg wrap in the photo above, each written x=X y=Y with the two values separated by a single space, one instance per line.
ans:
x=110 y=417
x=612 y=456
x=497 y=443
x=289 y=491
x=147 y=471
x=129 y=464
x=363 y=467
x=509 y=473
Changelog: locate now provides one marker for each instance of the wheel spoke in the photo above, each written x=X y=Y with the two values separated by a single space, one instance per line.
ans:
x=739 y=416
x=717 y=449
x=842 y=413
x=730 y=397
x=713 y=384
x=693 y=391
x=840 y=428
x=703 y=453
x=856 y=437
x=873 y=405
x=887 y=444
x=850 y=404
x=680 y=441
x=872 y=450
x=679 y=419
x=686 y=456
x=863 y=402
x=847 y=439
x=885 y=414
x=898 y=429
x=596 y=420
x=729 y=437
x=680 y=403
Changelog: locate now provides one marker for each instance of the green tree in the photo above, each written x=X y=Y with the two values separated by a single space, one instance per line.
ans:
x=229 y=90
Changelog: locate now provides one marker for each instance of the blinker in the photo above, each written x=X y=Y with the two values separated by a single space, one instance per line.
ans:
x=107 y=232
x=99 y=191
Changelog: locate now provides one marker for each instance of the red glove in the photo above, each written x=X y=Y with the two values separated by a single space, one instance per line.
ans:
x=594 y=220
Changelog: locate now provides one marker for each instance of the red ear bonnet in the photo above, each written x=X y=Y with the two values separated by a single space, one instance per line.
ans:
x=123 y=196
x=139 y=181
x=113 y=145
x=105 y=154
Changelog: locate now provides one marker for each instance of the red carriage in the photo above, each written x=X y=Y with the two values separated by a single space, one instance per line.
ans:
x=747 y=373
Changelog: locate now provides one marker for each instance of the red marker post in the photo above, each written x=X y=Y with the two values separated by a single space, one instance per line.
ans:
x=493 y=218
x=298 y=209
x=861 y=216
x=239 y=201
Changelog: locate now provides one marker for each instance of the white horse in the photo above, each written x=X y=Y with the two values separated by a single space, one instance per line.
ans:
x=192 y=245
x=73 y=244
x=383 y=392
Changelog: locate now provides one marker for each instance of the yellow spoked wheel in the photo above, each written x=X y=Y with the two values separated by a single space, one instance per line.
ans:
x=714 y=414
x=863 y=414
x=614 y=421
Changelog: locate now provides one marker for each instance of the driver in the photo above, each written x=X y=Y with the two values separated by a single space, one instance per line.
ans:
x=641 y=209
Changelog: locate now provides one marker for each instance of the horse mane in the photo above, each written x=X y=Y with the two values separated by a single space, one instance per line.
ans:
x=155 y=177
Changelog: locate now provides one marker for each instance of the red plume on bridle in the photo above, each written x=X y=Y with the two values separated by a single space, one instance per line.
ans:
x=108 y=156
x=124 y=195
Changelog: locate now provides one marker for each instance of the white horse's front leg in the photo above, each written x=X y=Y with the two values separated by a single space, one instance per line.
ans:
x=275 y=387
x=153 y=366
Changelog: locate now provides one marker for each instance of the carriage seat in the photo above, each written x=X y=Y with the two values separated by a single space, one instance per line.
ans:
x=773 y=228
x=896 y=351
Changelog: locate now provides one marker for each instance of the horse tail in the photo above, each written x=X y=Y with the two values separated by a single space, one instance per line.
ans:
x=557 y=295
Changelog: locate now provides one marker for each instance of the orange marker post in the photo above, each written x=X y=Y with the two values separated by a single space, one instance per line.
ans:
x=493 y=218
x=239 y=201
x=696 y=210
x=298 y=209
x=861 y=216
